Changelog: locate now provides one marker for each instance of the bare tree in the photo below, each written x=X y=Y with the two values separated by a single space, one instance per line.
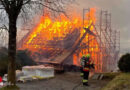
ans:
x=11 y=10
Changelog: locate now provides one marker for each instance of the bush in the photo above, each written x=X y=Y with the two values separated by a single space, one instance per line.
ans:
x=3 y=61
x=124 y=63
x=23 y=59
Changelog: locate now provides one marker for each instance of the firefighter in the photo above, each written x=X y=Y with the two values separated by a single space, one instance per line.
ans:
x=86 y=65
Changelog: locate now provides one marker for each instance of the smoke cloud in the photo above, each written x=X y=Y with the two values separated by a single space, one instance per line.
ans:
x=120 y=10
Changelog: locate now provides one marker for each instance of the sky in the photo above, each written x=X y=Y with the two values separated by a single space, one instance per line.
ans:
x=120 y=10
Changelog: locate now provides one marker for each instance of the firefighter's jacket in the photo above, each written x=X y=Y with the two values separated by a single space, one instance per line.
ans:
x=86 y=64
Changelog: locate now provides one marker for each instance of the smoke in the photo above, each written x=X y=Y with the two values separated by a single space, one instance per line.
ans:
x=120 y=16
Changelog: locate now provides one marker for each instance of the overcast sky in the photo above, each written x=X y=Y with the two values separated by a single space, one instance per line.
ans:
x=120 y=10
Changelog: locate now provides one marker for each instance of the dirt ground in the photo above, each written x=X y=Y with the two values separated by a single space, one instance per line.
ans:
x=66 y=81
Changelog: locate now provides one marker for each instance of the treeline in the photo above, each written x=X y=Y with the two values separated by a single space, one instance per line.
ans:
x=23 y=58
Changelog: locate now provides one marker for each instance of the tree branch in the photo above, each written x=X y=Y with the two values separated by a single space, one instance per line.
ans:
x=26 y=2
x=56 y=10
x=4 y=27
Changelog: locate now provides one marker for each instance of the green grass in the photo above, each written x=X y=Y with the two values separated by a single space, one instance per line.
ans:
x=10 y=88
x=110 y=76
x=120 y=82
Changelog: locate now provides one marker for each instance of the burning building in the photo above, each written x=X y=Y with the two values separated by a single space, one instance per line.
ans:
x=64 y=40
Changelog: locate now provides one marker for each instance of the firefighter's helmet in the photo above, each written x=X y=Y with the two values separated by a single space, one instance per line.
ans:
x=88 y=55
x=84 y=56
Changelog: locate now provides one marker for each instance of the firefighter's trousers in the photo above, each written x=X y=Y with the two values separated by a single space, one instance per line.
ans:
x=85 y=77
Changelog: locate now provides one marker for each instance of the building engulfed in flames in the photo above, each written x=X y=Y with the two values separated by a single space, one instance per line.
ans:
x=57 y=37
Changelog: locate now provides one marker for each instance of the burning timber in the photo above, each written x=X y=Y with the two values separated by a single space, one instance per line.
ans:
x=61 y=52
x=63 y=41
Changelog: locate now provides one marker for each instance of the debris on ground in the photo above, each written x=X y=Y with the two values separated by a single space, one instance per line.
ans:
x=30 y=73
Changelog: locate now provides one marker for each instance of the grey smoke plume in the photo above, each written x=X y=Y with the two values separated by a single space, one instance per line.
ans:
x=120 y=10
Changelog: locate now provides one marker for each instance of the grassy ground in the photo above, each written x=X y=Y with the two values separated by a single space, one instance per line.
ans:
x=120 y=82
x=110 y=76
x=10 y=88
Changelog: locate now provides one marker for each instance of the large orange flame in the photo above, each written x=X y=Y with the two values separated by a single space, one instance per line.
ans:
x=49 y=29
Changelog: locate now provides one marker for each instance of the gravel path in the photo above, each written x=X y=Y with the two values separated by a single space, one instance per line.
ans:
x=66 y=81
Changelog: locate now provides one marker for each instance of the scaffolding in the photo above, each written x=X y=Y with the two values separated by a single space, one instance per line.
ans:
x=108 y=40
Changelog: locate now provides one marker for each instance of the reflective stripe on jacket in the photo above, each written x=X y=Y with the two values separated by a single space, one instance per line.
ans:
x=86 y=69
